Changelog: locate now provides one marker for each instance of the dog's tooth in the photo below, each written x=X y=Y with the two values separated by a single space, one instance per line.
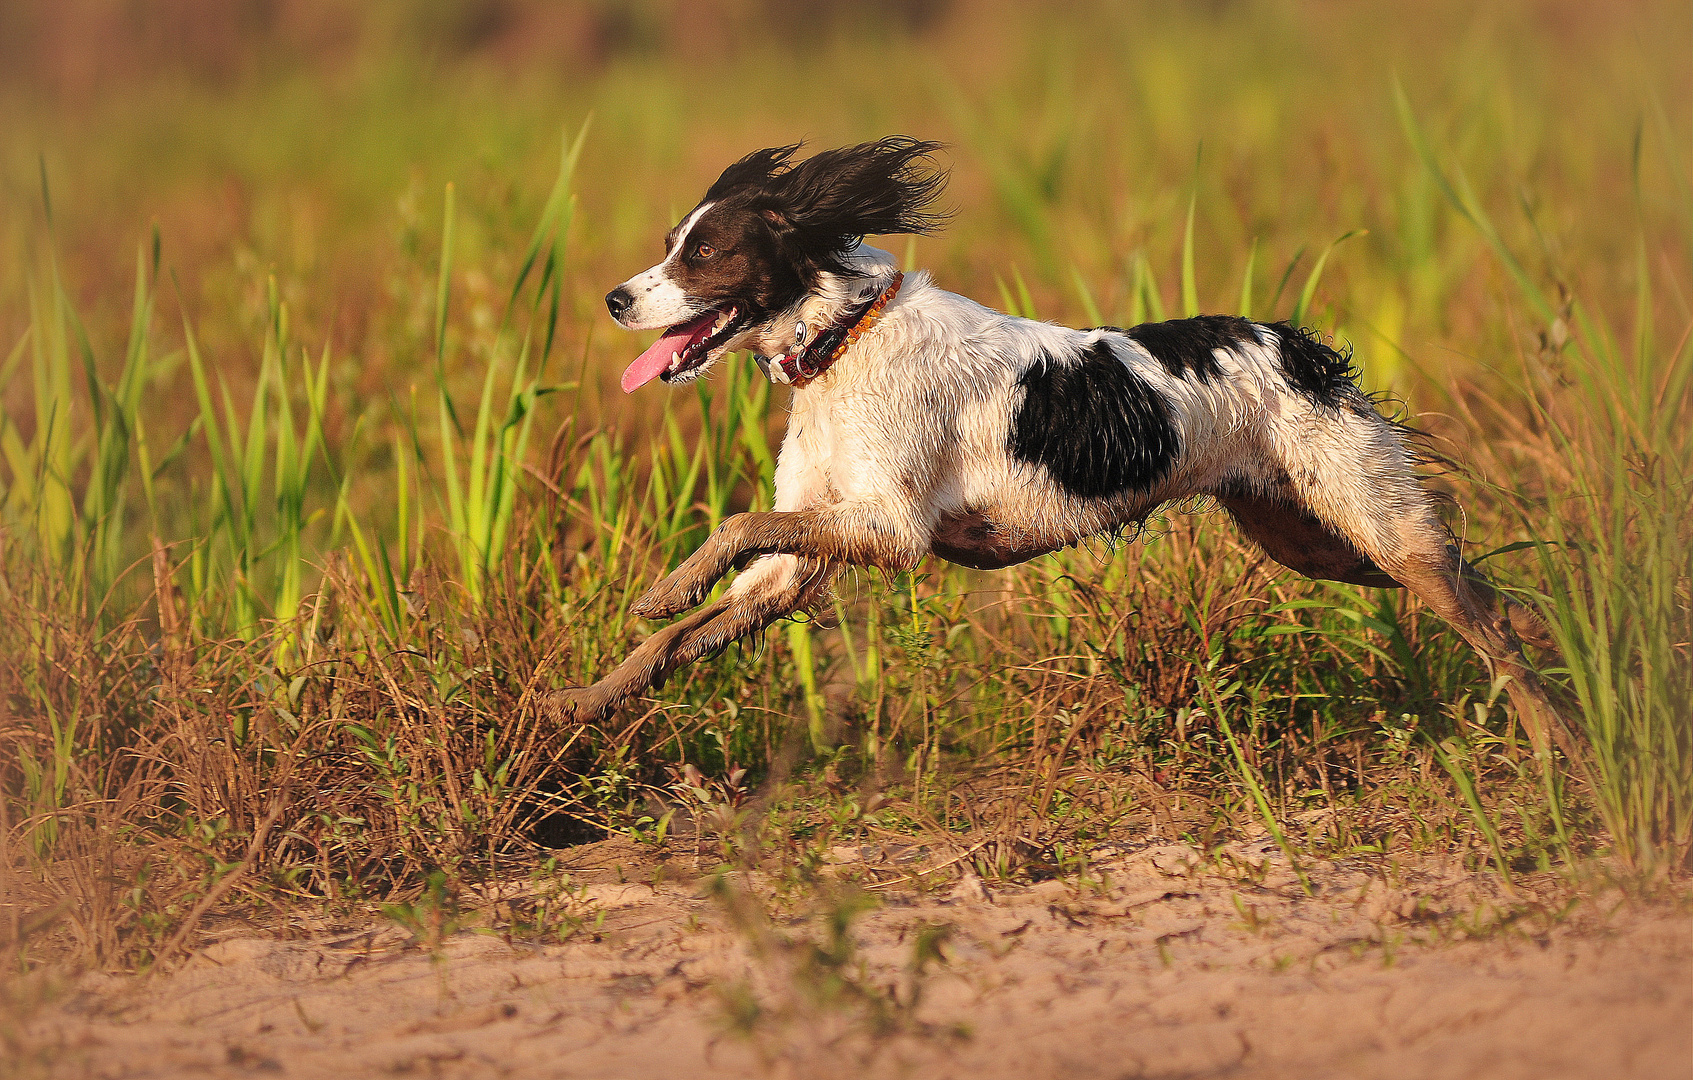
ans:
x=675 y=358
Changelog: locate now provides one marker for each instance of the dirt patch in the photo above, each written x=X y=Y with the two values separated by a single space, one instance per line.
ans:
x=1157 y=964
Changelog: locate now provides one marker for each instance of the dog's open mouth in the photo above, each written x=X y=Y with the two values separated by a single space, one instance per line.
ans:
x=685 y=347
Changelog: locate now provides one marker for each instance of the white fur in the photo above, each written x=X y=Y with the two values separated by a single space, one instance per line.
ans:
x=913 y=424
x=905 y=446
x=658 y=301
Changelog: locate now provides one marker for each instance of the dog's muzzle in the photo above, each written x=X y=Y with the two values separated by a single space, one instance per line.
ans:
x=617 y=302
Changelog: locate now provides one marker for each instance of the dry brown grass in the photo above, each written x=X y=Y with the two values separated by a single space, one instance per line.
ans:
x=166 y=763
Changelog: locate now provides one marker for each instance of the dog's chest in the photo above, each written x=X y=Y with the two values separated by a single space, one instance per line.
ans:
x=804 y=474
x=834 y=446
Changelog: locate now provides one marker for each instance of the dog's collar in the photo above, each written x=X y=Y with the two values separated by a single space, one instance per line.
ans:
x=799 y=368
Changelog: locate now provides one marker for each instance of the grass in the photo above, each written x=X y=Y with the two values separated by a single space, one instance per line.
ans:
x=286 y=570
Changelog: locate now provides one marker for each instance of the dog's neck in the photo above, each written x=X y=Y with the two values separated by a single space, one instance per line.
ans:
x=815 y=351
x=810 y=330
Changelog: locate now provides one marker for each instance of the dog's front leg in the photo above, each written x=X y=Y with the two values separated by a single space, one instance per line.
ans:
x=858 y=535
x=766 y=592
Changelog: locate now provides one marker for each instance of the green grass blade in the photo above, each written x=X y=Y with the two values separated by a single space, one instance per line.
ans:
x=1245 y=307
x=1148 y=303
x=1531 y=292
x=1443 y=753
x=1089 y=307
x=443 y=294
x=1190 y=291
x=557 y=204
x=1024 y=300
x=1301 y=309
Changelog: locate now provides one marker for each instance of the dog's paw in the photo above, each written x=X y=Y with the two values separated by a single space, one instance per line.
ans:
x=1530 y=627
x=664 y=600
x=574 y=705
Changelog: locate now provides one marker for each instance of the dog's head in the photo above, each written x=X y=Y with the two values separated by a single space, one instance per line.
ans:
x=769 y=234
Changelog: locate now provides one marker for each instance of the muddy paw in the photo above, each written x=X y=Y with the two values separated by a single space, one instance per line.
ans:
x=662 y=601
x=574 y=705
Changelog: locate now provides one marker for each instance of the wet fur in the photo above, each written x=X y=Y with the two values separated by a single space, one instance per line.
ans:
x=1017 y=438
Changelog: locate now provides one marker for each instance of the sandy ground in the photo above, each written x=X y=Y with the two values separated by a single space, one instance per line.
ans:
x=1155 y=967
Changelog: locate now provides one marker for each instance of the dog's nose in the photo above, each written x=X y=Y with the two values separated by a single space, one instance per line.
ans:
x=617 y=301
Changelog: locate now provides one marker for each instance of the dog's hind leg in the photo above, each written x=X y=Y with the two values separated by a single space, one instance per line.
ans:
x=1489 y=621
x=1294 y=537
x=1352 y=477
x=768 y=590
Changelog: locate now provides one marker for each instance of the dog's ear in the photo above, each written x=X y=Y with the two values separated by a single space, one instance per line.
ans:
x=752 y=173
x=835 y=198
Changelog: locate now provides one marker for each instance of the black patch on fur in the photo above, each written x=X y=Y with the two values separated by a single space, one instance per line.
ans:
x=1315 y=369
x=775 y=225
x=747 y=267
x=1188 y=346
x=820 y=208
x=1099 y=428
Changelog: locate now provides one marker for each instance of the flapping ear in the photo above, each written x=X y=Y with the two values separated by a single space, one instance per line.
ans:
x=835 y=198
x=755 y=172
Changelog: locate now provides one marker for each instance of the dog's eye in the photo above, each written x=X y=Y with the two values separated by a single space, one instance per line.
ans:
x=704 y=251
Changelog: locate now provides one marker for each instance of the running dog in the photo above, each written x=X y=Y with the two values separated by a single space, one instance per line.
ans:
x=924 y=423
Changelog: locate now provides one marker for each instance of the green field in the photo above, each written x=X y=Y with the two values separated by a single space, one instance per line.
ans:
x=314 y=475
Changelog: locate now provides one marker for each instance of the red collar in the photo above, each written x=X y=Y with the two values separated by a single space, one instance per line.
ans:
x=812 y=360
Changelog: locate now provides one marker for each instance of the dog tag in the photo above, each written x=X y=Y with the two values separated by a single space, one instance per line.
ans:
x=772 y=368
x=799 y=333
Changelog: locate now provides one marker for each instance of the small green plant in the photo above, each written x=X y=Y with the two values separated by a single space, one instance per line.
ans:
x=554 y=909
x=812 y=992
x=717 y=805
x=433 y=916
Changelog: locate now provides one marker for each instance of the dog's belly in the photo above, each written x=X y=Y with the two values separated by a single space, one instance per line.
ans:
x=1294 y=537
x=980 y=540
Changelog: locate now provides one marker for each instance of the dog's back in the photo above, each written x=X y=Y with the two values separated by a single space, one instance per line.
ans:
x=926 y=423
x=1019 y=437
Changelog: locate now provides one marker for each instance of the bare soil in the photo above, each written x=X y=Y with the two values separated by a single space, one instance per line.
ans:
x=1157 y=964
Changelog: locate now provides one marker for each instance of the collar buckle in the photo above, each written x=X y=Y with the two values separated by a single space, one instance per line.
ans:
x=808 y=361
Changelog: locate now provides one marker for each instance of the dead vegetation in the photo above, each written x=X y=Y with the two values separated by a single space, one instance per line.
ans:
x=292 y=548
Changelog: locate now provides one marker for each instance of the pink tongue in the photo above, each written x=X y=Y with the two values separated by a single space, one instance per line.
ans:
x=650 y=364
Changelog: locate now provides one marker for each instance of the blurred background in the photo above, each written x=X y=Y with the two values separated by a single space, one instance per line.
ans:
x=359 y=515
x=313 y=139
